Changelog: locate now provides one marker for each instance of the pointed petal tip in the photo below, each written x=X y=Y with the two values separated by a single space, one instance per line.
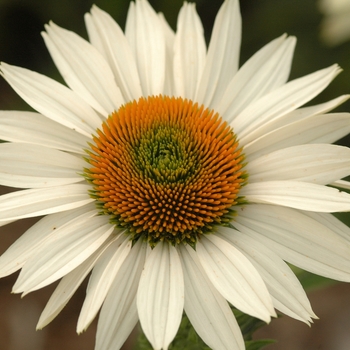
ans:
x=268 y=317
x=81 y=330
x=17 y=290
x=310 y=319
x=43 y=322
x=24 y=293
x=337 y=69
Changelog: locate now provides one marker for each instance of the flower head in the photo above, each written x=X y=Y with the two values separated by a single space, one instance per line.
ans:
x=180 y=181
x=165 y=169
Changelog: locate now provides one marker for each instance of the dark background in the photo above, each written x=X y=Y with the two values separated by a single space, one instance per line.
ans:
x=21 y=22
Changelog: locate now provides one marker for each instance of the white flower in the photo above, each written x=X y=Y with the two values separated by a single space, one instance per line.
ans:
x=174 y=207
x=335 y=27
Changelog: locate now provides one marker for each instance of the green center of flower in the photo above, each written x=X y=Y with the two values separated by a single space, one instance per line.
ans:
x=165 y=169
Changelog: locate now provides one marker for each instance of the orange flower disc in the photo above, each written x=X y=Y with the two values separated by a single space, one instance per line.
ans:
x=165 y=169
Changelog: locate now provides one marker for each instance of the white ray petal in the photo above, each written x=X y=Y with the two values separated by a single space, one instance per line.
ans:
x=130 y=26
x=101 y=279
x=316 y=163
x=68 y=286
x=83 y=68
x=223 y=54
x=286 y=291
x=117 y=53
x=297 y=238
x=326 y=128
x=288 y=310
x=341 y=184
x=169 y=40
x=25 y=246
x=33 y=166
x=94 y=35
x=189 y=52
x=33 y=128
x=118 y=315
x=43 y=201
x=268 y=69
x=208 y=312
x=52 y=99
x=235 y=277
x=145 y=34
x=332 y=223
x=59 y=256
x=160 y=297
x=281 y=101
x=3 y=223
x=298 y=195
x=48 y=156
x=301 y=113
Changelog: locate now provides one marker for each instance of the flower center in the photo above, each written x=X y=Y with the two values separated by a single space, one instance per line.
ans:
x=165 y=169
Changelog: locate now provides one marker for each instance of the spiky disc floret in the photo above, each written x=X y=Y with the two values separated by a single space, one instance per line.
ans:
x=165 y=169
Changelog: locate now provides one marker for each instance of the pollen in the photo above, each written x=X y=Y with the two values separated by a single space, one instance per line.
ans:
x=165 y=168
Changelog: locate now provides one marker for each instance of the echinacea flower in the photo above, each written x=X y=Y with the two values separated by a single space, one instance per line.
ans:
x=180 y=181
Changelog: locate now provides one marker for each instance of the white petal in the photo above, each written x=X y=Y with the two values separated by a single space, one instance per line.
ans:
x=67 y=287
x=265 y=71
x=296 y=194
x=287 y=293
x=118 y=315
x=160 y=297
x=33 y=166
x=332 y=223
x=3 y=223
x=101 y=279
x=223 y=54
x=94 y=35
x=84 y=69
x=208 y=312
x=29 y=127
x=341 y=184
x=59 y=256
x=52 y=99
x=145 y=34
x=189 y=52
x=281 y=101
x=302 y=113
x=25 y=246
x=130 y=26
x=234 y=277
x=169 y=40
x=326 y=128
x=297 y=238
x=48 y=156
x=117 y=53
x=321 y=164
x=43 y=201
